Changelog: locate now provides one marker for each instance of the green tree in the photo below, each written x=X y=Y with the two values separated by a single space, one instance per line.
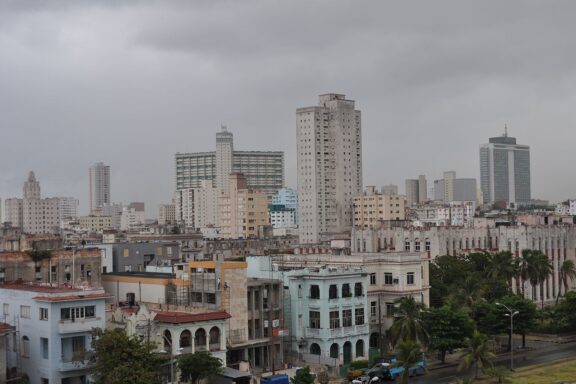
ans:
x=564 y=314
x=198 y=365
x=524 y=321
x=303 y=376
x=445 y=272
x=409 y=322
x=523 y=267
x=541 y=269
x=119 y=359
x=476 y=354
x=408 y=354
x=567 y=273
x=502 y=375
x=448 y=328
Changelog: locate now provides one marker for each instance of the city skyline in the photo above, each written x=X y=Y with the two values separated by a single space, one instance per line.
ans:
x=438 y=86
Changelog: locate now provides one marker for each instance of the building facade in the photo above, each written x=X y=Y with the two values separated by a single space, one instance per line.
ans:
x=451 y=188
x=167 y=214
x=505 y=170
x=99 y=185
x=329 y=166
x=53 y=330
x=416 y=190
x=372 y=207
x=243 y=211
x=263 y=169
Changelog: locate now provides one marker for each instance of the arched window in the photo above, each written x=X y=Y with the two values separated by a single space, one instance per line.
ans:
x=167 y=340
x=360 y=348
x=200 y=340
x=315 y=349
x=374 y=340
x=25 y=346
x=314 y=291
x=334 y=351
x=185 y=339
x=406 y=244
x=358 y=290
x=417 y=245
x=215 y=339
x=346 y=290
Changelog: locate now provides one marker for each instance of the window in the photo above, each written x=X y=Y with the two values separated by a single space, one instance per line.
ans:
x=90 y=311
x=126 y=252
x=407 y=245
x=410 y=278
x=372 y=279
x=43 y=313
x=314 y=319
x=373 y=309
x=25 y=347
x=417 y=245
x=333 y=292
x=314 y=292
x=346 y=290
x=44 y=347
x=347 y=318
x=25 y=311
x=6 y=309
x=299 y=291
x=334 y=319
x=427 y=245
x=389 y=309
x=388 y=278
x=78 y=346
x=358 y=291
x=359 y=314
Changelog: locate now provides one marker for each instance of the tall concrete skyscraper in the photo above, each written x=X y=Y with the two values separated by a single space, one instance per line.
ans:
x=31 y=188
x=224 y=151
x=505 y=170
x=329 y=142
x=99 y=175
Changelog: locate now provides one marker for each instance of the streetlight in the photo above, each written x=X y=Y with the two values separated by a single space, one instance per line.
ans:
x=171 y=356
x=511 y=314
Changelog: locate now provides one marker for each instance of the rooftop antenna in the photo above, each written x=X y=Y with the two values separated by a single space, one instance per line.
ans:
x=505 y=130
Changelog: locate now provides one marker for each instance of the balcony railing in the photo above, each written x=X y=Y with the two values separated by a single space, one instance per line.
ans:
x=78 y=325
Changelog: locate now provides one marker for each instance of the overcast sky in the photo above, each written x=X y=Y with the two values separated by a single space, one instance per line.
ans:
x=130 y=83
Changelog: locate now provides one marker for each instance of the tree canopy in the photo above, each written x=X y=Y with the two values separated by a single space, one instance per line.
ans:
x=198 y=365
x=448 y=328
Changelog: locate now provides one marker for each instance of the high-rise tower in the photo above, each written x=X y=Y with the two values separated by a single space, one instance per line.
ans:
x=99 y=175
x=329 y=141
x=31 y=189
x=224 y=152
x=505 y=170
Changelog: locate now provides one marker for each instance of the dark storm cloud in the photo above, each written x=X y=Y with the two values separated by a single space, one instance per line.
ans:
x=131 y=83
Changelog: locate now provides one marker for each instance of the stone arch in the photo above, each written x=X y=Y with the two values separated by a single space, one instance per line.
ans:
x=315 y=349
x=167 y=340
x=185 y=339
x=360 y=348
x=214 y=343
x=335 y=351
x=200 y=340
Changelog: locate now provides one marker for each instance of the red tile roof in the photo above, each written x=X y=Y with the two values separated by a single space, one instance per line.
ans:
x=88 y=296
x=186 y=317
x=4 y=328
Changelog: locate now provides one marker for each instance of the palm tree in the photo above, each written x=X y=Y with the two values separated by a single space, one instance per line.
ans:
x=541 y=269
x=408 y=322
x=501 y=265
x=523 y=266
x=567 y=272
x=476 y=353
x=471 y=290
x=408 y=354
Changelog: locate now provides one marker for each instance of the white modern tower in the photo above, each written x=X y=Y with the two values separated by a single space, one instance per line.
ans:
x=505 y=170
x=99 y=185
x=329 y=142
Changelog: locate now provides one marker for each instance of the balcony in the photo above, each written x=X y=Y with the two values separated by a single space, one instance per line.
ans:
x=79 y=325
x=72 y=364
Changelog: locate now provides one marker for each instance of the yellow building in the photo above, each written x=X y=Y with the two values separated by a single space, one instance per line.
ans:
x=373 y=207
x=95 y=223
x=243 y=211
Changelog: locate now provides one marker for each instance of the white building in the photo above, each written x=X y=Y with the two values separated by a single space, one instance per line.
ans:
x=133 y=217
x=114 y=211
x=329 y=141
x=68 y=207
x=198 y=207
x=451 y=189
x=13 y=211
x=53 y=330
x=99 y=175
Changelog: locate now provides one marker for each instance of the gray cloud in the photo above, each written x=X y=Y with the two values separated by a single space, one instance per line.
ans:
x=131 y=83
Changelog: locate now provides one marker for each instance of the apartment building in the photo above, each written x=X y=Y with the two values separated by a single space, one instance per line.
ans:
x=52 y=330
x=372 y=207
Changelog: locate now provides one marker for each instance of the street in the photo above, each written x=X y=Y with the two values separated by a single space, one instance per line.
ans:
x=521 y=359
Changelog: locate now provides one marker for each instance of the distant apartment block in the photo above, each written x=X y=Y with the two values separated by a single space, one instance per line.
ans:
x=390 y=189
x=451 y=189
x=198 y=207
x=243 y=211
x=416 y=190
x=167 y=214
x=329 y=145
x=99 y=179
x=264 y=170
x=133 y=216
x=372 y=207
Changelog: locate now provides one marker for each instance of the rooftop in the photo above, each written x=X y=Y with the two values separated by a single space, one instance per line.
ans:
x=39 y=287
x=153 y=275
x=187 y=317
